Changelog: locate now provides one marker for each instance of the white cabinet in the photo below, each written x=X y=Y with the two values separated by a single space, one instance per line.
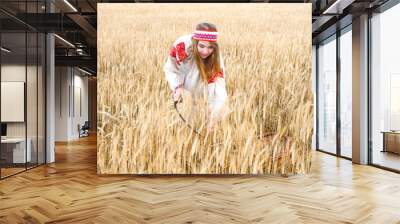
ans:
x=18 y=149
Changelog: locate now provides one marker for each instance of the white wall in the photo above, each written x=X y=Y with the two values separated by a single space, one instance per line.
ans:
x=61 y=103
x=80 y=83
x=12 y=73
x=68 y=83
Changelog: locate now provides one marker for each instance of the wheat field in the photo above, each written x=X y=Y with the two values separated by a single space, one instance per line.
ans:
x=267 y=56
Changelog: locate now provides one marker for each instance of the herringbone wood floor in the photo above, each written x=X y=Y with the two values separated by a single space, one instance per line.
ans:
x=70 y=191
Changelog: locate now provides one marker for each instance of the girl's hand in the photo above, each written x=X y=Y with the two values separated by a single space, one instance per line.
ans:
x=177 y=94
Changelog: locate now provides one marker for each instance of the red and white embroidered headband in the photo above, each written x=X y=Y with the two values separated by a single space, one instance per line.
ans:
x=205 y=35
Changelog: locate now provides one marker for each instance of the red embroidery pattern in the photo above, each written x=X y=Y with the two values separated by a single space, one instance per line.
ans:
x=172 y=52
x=179 y=52
x=215 y=76
x=180 y=48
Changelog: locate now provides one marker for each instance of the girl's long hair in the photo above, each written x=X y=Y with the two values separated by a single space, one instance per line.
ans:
x=211 y=65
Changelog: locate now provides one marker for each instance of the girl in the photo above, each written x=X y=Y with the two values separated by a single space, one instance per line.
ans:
x=195 y=64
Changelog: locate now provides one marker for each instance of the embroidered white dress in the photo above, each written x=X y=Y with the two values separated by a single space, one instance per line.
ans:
x=181 y=68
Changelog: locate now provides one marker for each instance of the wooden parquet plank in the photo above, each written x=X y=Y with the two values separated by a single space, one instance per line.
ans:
x=70 y=191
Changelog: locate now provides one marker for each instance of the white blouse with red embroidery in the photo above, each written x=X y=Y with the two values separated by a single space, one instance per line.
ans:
x=181 y=69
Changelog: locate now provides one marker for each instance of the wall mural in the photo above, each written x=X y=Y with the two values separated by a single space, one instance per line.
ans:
x=204 y=88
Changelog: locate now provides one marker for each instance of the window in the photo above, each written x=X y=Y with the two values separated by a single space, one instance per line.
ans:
x=346 y=92
x=385 y=89
x=327 y=95
x=22 y=92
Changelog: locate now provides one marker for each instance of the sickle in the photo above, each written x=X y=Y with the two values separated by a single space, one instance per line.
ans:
x=183 y=119
x=195 y=131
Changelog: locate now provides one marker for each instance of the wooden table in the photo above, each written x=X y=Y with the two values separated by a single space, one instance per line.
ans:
x=391 y=141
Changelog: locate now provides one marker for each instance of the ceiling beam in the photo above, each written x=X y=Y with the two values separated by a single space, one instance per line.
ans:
x=84 y=24
x=83 y=61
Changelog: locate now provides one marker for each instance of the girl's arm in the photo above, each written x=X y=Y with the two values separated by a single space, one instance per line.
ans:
x=177 y=55
x=172 y=73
